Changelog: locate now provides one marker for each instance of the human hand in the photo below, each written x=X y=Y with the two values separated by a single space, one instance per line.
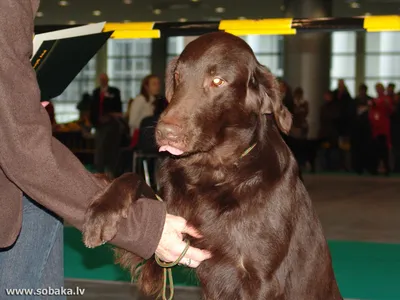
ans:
x=172 y=245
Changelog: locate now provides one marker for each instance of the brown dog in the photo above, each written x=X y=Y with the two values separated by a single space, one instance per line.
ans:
x=235 y=180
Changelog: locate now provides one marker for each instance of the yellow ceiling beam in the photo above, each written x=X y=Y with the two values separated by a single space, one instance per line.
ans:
x=262 y=27
x=133 y=30
x=382 y=23
x=241 y=32
x=285 y=23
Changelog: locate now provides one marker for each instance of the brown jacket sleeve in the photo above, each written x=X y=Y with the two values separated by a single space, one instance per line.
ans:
x=37 y=163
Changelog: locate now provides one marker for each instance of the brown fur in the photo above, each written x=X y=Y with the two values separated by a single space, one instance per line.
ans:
x=104 y=214
x=254 y=212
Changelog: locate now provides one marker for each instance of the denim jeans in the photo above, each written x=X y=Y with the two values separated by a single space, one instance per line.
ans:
x=35 y=261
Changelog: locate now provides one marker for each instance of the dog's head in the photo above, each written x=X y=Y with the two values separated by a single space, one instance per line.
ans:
x=216 y=87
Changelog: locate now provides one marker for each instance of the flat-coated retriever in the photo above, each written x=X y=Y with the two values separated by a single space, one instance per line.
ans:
x=232 y=177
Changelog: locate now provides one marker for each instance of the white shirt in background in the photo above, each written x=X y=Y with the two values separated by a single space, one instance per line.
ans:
x=139 y=110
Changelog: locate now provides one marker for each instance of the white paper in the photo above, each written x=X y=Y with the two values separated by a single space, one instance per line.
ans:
x=66 y=33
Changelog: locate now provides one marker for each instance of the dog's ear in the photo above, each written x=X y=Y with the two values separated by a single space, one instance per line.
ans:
x=270 y=97
x=169 y=78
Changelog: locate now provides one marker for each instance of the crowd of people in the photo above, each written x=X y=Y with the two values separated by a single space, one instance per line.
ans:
x=116 y=130
x=360 y=134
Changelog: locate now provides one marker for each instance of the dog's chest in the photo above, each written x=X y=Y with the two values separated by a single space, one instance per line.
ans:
x=202 y=194
x=202 y=203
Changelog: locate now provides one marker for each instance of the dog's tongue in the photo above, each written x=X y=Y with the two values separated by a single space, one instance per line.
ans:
x=172 y=150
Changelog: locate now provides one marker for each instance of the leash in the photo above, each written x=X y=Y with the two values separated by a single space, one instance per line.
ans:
x=167 y=267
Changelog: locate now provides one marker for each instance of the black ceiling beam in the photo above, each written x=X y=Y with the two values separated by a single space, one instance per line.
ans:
x=198 y=28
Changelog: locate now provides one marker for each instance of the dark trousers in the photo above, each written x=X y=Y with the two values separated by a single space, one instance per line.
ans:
x=124 y=162
x=107 y=145
x=361 y=156
x=396 y=156
x=332 y=155
x=381 y=153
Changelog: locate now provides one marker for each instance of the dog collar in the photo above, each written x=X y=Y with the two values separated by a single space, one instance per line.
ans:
x=248 y=150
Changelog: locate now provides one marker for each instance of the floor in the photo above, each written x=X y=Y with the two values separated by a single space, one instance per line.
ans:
x=123 y=291
x=350 y=208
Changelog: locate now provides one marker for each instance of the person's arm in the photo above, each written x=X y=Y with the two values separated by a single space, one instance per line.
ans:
x=37 y=163
x=136 y=112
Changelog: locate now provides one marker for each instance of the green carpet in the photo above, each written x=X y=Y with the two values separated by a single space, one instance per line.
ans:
x=363 y=270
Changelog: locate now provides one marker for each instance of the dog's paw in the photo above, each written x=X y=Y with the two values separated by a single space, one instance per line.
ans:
x=101 y=222
x=107 y=210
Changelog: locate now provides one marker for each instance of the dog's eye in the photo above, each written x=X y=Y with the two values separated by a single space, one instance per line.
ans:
x=217 y=82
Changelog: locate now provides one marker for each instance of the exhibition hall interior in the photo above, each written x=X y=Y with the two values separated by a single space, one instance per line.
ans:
x=340 y=83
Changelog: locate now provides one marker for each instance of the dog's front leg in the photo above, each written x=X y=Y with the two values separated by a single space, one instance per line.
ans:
x=108 y=208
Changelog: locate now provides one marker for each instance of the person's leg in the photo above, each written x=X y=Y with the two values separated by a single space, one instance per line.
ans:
x=356 y=159
x=379 y=152
x=363 y=160
x=342 y=155
x=111 y=146
x=327 y=159
x=36 y=259
x=385 y=154
x=396 y=157
x=53 y=272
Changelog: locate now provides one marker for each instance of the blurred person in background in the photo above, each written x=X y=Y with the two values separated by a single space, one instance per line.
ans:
x=361 y=132
x=286 y=94
x=147 y=141
x=105 y=112
x=342 y=96
x=395 y=125
x=380 y=112
x=299 y=130
x=142 y=106
x=329 y=131
x=287 y=100
x=83 y=107
x=128 y=109
x=343 y=99
x=391 y=91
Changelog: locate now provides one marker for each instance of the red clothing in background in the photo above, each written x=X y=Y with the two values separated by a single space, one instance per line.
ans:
x=379 y=116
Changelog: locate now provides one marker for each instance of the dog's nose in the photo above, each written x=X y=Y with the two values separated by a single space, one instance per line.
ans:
x=168 y=131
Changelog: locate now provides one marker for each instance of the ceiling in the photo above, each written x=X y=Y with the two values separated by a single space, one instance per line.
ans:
x=89 y=11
